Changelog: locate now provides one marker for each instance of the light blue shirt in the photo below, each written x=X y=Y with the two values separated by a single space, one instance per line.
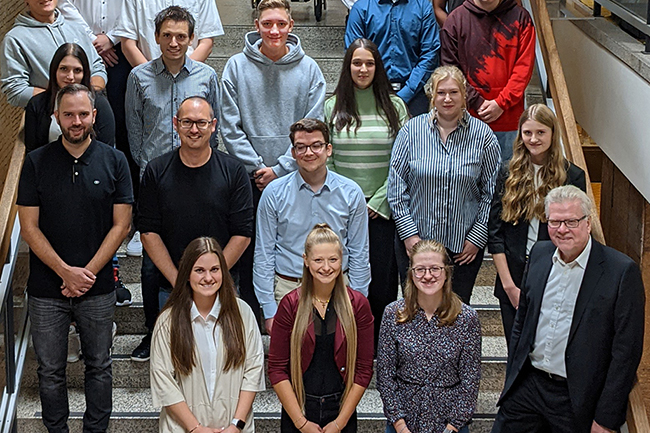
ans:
x=287 y=212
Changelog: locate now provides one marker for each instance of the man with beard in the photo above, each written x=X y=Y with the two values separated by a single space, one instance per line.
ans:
x=74 y=204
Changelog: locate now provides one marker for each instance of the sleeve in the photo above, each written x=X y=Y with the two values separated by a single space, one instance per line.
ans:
x=398 y=185
x=72 y=14
x=232 y=132
x=496 y=241
x=469 y=372
x=148 y=217
x=387 y=359
x=14 y=68
x=357 y=243
x=213 y=98
x=97 y=68
x=164 y=388
x=490 y=163
x=240 y=220
x=28 y=187
x=575 y=176
x=365 y=342
x=429 y=49
x=208 y=23
x=134 y=110
x=514 y=90
x=280 y=347
x=127 y=23
x=105 y=121
x=264 y=262
x=254 y=364
x=627 y=349
x=32 y=124
x=356 y=27
x=123 y=187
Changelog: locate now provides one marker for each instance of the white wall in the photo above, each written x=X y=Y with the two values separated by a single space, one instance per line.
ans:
x=611 y=102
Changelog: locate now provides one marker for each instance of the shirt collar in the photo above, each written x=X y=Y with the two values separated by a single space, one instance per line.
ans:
x=463 y=122
x=159 y=66
x=214 y=312
x=85 y=158
x=300 y=182
x=581 y=260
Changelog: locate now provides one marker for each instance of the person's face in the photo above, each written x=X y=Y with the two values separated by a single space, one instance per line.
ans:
x=324 y=262
x=307 y=159
x=431 y=266
x=206 y=277
x=569 y=241
x=41 y=10
x=191 y=125
x=537 y=138
x=448 y=99
x=274 y=26
x=76 y=117
x=174 y=40
x=362 y=68
x=70 y=71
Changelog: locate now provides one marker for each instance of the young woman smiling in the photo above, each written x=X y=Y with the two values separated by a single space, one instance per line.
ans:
x=320 y=357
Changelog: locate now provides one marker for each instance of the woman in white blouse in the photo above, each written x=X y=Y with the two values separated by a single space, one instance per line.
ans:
x=207 y=360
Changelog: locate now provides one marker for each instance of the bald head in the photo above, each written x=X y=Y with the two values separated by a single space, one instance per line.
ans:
x=194 y=103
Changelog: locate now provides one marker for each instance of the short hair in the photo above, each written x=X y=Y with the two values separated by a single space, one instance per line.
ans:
x=569 y=193
x=273 y=4
x=442 y=73
x=177 y=14
x=73 y=89
x=309 y=125
x=199 y=98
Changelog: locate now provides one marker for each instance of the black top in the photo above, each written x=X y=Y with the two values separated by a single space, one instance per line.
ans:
x=38 y=119
x=322 y=377
x=75 y=198
x=181 y=203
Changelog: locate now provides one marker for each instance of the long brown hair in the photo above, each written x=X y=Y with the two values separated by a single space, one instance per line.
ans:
x=180 y=304
x=340 y=300
x=520 y=198
x=65 y=50
x=450 y=306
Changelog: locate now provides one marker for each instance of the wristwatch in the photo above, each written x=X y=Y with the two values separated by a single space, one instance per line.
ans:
x=448 y=430
x=240 y=424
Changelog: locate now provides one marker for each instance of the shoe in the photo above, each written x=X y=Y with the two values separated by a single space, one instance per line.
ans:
x=74 y=344
x=122 y=294
x=134 y=247
x=142 y=352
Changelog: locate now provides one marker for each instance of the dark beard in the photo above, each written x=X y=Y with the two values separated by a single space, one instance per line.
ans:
x=79 y=140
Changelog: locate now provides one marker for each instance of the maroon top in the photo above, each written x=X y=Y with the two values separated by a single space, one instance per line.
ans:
x=280 y=349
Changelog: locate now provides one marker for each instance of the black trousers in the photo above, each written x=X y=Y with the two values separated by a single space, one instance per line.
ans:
x=246 y=290
x=322 y=411
x=508 y=313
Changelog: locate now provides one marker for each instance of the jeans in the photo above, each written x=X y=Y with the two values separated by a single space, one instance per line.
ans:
x=391 y=429
x=50 y=320
x=419 y=104
x=322 y=411
x=506 y=139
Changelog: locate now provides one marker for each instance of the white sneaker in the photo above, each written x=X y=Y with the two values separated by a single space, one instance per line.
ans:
x=134 y=247
x=74 y=344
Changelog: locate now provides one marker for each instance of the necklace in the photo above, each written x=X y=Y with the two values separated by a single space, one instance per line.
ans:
x=323 y=303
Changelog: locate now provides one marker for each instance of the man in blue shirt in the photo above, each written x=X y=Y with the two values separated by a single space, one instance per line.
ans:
x=407 y=36
x=290 y=207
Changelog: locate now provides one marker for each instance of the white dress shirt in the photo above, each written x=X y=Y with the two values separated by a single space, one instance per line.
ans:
x=206 y=335
x=96 y=16
x=533 y=225
x=556 y=312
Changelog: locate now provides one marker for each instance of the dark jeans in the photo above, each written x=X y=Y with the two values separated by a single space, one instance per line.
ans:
x=391 y=429
x=150 y=284
x=50 y=319
x=322 y=411
x=419 y=104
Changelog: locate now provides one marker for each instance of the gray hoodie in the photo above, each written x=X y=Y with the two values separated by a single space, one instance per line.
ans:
x=27 y=51
x=260 y=99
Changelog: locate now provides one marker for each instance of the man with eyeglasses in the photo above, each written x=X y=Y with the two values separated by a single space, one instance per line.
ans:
x=193 y=191
x=292 y=205
x=578 y=334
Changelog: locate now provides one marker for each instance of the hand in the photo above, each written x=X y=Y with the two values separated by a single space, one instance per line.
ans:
x=402 y=426
x=263 y=177
x=268 y=324
x=109 y=57
x=102 y=43
x=312 y=427
x=597 y=428
x=467 y=255
x=372 y=214
x=332 y=428
x=77 y=280
x=410 y=242
x=230 y=429
x=489 y=111
x=513 y=293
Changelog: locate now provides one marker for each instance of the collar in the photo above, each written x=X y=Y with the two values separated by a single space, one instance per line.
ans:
x=581 y=260
x=300 y=182
x=159 y=66
x=463 y=122
x=85 y=158
x=214 y=312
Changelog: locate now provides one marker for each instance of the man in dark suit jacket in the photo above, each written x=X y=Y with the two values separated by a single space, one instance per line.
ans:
x=578 y=335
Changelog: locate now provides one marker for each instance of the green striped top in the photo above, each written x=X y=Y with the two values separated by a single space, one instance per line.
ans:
x=364 y=156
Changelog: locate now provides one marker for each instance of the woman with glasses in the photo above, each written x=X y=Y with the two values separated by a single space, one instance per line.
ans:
x=517 y=217
x=429 y=352
x=364 y=116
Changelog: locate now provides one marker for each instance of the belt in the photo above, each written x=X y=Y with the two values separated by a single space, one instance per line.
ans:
x=547 y=375
x=287 y=278
x=336 y=397
x=397 y=85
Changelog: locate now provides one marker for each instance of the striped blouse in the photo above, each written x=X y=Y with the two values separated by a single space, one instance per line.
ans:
x=364 y=155
x=439 y=190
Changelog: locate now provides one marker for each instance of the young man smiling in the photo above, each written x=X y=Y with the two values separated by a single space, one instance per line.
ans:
x=292 y=205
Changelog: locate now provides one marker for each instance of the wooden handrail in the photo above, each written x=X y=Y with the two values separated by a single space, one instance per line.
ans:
x=637 y=417
x=8 y=206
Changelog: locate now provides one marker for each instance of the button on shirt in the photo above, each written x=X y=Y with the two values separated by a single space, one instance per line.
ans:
x=96 y=16
x=287 y=212
x=206 y=335
x=407 y=35
x=556 y=312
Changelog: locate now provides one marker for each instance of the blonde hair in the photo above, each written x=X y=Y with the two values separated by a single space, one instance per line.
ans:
x=340 y=300
x=450 y=306
x=441 y=74
x=521 y=200
x=273 y=4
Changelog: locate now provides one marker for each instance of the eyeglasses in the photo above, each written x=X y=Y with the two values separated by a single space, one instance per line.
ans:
x=435 y=271
x=188 y=123
x=317 y=147
x=570 y=224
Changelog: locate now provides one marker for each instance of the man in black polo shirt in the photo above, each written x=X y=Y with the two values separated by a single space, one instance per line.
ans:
x=193 y=191
x=74 y=203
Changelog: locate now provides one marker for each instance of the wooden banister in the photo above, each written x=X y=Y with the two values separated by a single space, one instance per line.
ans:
x=8 y=206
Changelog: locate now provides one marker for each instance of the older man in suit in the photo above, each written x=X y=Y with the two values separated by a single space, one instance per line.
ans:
x=578 y=334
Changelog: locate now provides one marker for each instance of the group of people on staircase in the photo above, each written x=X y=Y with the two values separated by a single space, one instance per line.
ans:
x=407 y=173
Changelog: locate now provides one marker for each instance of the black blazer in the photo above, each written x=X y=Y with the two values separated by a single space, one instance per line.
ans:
x=606 y=337
x=511 y=239
x=38 y=119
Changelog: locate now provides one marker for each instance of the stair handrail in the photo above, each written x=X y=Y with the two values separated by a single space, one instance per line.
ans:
x=550 y=67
